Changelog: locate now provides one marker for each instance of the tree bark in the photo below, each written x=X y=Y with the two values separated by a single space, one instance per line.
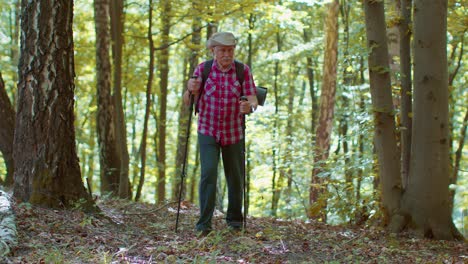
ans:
x=406 y=89
x=117 y=24
x=288 y=156
x=426 y=200
x=149 y=86
x=277 y=180
x=163 y=63
x=318 y=187
x=348 y=80
x=458 y=158
x=47 y=169
x=7 y=131
x=381 y=93
x=106 y=125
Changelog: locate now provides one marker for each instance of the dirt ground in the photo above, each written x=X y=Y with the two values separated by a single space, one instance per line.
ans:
x=128 y=232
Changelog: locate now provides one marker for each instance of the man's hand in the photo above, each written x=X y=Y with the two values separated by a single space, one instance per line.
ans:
x=193 y=88
x=245 y=106
x=248 y=104
x=193 y=85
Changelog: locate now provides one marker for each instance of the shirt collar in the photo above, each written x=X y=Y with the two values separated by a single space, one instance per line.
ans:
x=219 y=68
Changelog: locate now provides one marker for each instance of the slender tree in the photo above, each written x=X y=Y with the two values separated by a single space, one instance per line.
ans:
x=47 y=171
x=382 y=107
x=277 y=180
x=348 y=79
x=116 y=25
x=318 y=193
x=106 y=125
x=163 y=63
x=149 y=87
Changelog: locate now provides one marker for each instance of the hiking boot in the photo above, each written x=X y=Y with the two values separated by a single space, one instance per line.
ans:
x=203 y=233
x=235 y=229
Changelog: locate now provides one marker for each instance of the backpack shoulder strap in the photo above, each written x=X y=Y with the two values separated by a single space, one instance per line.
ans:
x=205 y=73
x=240 y=72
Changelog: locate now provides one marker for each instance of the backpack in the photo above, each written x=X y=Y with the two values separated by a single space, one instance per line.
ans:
x=206 y=72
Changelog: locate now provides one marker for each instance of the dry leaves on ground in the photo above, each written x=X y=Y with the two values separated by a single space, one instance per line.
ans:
x=129 y=232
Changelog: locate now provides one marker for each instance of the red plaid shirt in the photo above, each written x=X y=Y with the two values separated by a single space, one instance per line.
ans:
x=219 y=110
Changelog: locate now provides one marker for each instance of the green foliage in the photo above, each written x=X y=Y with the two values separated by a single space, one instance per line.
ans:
x=299 y=27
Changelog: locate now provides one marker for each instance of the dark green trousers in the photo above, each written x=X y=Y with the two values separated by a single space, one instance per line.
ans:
x=210 y=152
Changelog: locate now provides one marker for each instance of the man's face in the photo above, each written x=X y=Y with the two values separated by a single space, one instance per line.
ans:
x=224 y=55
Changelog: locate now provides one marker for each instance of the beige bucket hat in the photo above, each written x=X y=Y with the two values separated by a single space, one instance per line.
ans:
x=221 y=39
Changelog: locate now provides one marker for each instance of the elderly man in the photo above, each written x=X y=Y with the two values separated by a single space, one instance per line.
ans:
x=220 y=127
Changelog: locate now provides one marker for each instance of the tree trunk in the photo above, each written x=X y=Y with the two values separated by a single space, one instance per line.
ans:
x=318 y=188
x=393 y=41
x=313 y=96
x=184 y=111
x=276 y=182
x=288 y=156
x=108 y=150
x=47 y=169
x=343 y=123
x=117 y=23
x=406 y=91
x=149 y=86
x=7 y=131
x=163 y=82
x=426 y=200
x=457 y=158
x=381 y=93
x=247 y=153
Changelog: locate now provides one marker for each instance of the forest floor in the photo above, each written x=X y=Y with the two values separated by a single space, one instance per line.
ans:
x=144 y=233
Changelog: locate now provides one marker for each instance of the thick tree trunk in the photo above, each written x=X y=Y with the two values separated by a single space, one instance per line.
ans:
x=108 y=150
x=426 y=200
x=117 y=23
x=318 y=187
x=47 y=169
x=7 y=131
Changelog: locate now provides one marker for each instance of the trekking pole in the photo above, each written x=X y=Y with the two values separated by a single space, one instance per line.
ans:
x=243 y=98
x=182 y=175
